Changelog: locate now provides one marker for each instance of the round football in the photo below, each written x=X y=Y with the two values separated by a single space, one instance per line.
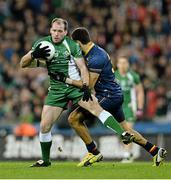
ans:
x=50 y=46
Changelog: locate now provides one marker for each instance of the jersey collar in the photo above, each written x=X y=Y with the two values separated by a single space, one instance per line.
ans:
x=88 y=48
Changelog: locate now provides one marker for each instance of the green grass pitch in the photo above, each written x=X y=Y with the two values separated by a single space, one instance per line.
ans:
x=69 y=170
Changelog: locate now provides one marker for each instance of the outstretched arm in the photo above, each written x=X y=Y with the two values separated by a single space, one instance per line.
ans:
x=78 y=83
x=85 y=79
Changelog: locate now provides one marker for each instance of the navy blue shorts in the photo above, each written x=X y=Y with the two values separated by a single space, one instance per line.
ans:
x=112 y=104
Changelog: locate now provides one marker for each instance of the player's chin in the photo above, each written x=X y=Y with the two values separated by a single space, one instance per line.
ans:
x=56 y=40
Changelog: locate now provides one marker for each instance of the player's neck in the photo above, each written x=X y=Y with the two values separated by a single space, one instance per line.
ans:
x=87 y=47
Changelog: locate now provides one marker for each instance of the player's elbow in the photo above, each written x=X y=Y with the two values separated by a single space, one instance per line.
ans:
x=26 y=60
x=22 y=63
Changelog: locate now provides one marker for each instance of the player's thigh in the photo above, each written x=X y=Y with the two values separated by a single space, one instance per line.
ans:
x=113 y=105
x=56 y=98
x=74 y=94
x=54 y=104
x=108 y=102
x=92 y=106
x=50 y=114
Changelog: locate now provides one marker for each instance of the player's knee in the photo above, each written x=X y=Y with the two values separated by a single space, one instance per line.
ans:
x=95 y=110
x=45 y=127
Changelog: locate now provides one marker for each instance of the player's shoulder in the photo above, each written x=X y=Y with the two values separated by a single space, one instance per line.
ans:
x=100 y=50
x=70 y=41
x=99 y=53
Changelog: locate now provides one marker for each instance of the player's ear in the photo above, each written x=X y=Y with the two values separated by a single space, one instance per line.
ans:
x=65 y=33
x=50 y=30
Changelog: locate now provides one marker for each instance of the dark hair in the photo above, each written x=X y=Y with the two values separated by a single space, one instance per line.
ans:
x=81 y=34
x=60 y=20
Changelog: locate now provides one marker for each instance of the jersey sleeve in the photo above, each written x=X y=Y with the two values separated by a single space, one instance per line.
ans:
x=76 y=50
x=95 y=64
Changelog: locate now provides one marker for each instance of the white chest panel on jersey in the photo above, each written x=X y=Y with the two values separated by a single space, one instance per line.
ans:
x=73 y=70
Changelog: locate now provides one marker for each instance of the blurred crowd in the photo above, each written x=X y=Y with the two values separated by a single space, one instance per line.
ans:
x=140 y=29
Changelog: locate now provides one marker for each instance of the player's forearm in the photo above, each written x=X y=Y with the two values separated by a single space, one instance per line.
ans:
x=92 y=81
x=140 y=103
x=77 y=83
x=26 y=60
x=140 y=98
x=85 y=75
x=83 y=70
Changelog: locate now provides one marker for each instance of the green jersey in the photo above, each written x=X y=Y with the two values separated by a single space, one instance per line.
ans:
x=128 y=83
x=64 y=59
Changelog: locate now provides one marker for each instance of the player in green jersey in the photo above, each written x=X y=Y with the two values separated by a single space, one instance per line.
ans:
x=69 y=61
x=133 y=98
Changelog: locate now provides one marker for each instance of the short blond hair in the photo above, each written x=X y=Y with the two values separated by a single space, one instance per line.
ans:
x=60 y=20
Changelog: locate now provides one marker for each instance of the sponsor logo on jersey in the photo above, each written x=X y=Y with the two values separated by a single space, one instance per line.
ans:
x=66 y=54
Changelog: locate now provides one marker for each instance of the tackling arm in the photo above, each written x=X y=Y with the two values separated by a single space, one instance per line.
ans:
x=90 y=77
x=93 y=79
x=83 y=70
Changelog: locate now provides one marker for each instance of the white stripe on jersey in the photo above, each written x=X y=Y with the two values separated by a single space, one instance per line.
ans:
x=73 y=71
x=132 y=93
